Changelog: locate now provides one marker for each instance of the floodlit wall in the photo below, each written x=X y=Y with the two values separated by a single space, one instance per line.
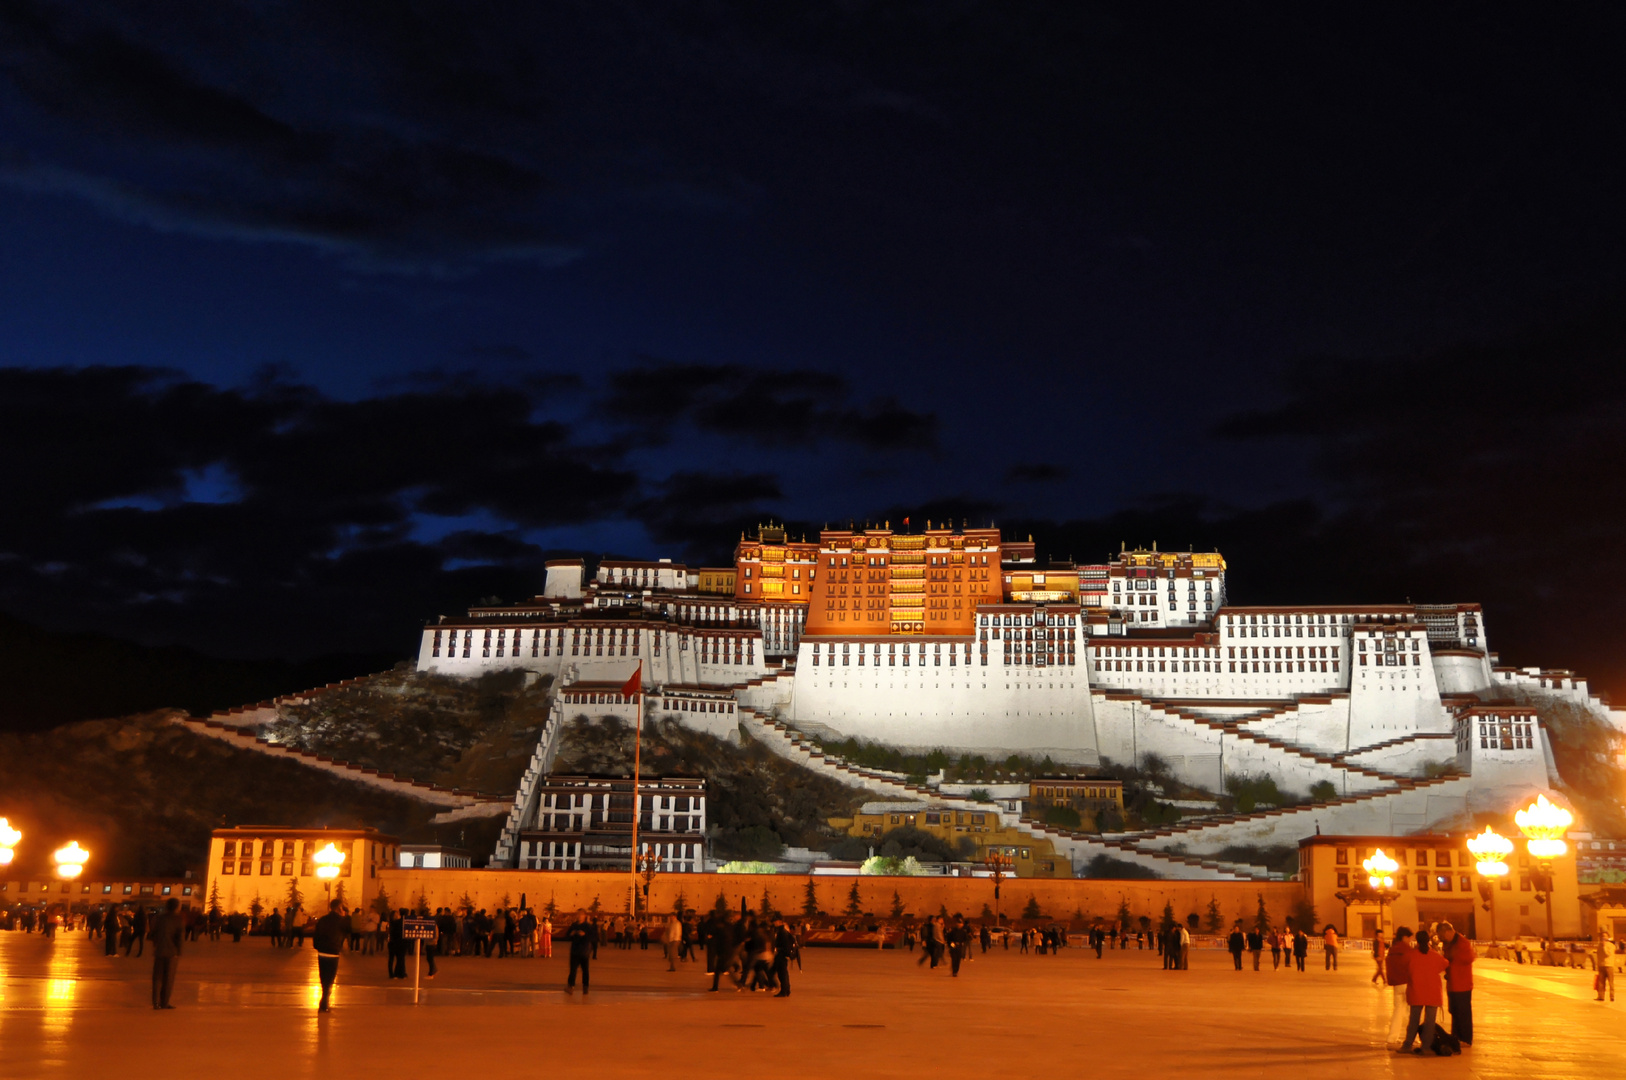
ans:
x=786 y=892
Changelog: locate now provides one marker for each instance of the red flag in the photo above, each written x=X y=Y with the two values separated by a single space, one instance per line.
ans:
x=633 y=685
x=905 y=523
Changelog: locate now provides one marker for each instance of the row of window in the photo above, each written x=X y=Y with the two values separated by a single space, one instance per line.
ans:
x=1192 y=666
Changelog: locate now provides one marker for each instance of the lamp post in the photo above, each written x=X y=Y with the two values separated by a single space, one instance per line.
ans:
x=1544 y=823
x=70 y=860
x=1490 y=850
x=1380 y=879
x=1000 y=866
x=649 y=864
x=328 y=861
x=9 y=839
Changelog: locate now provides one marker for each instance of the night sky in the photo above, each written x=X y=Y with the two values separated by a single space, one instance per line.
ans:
x=318 y=320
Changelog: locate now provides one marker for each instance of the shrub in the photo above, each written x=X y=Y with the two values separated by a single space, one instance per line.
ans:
x=1323 y=791
x=1063 y=817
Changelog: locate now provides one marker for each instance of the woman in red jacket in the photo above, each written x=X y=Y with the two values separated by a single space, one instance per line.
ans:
x=1459 y=981
x=1424 y=993
x=1395 y=973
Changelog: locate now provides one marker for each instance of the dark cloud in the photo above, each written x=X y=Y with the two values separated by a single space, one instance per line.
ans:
x=1034 y=473
x=703 y=513
x=766 y=406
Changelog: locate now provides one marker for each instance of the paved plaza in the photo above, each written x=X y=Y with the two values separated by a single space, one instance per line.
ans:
x=246 y=1011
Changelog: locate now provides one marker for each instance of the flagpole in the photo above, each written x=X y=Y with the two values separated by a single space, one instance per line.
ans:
x=637 y=758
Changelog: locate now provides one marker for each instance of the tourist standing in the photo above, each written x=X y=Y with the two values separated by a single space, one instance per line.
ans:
x=1397 y=973
x=138 y=931
x=959 y=944
x=583 y=936
x=1423 y=994
x=1236 y=943
x=785 y=947
x=1379 y=951
x=328 y=940
x=1275 y=949
x=545 y=929
x=1603 y=957
x=1459 y=981
x=1256 y=945
x=671 y=938
x=1185 y=949
x=396 y=951
x=1329 y=939
x=168 y=930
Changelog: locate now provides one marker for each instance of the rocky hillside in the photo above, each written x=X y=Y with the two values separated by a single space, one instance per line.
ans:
x=474 y=734
x=758 y=800
x=142 y=794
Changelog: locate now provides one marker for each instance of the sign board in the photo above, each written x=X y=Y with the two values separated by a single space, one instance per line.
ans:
x=419 y=930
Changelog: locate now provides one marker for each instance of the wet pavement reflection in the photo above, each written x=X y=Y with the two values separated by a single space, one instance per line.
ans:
x=67 y=1010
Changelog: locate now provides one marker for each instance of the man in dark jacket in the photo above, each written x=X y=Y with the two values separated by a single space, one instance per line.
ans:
x=1256 y=945
x=397 y=945
x=329 y=936
x=583 y=936
x=784 y=949
x=168 y=930
x=138 y=931
x=1236 y=943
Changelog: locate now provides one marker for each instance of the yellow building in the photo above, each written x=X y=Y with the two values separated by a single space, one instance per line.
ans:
x=1436 y=880
x=1030 y=856
x=1089 y=795
x=257 y=862
x=717 y=579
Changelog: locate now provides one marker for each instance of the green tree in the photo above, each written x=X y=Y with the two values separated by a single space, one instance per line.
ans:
x=765 y=909
x=1323 y=791
x=1063 y=817
x=293 y=898
x=897 y=905
x=256 y=907
x=810 y=898
x=595 y=907
x=681 y=904
x=381 y=903
x=987 y=912
x=1124 y=916
x=338 y=894
x=1032 y=910
x=421 y=905
x=1261 y=918
x=1168 y=921
x=855 y=900
x=720 y=906
x=466 y=902
x=1304 y=914
x=551 y=907
x=214 y=899
x=1214 y=921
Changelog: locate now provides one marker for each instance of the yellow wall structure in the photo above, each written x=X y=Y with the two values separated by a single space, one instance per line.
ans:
x=1033 y=857
x=367 y=853
x=1058 y=898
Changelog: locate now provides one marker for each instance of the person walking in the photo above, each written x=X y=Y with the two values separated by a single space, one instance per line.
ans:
x=1379 y=951
x=168 y=930
x=1424 y=991
x=1459 y=981
x=785 y=947
x=396 y=951
x=1604 y=958
x=671 y=938
x=1275 y=949
x=583 y=935
x=1397 y=973
x=1301 y=948
x=138 y=931
x=112 y=926
x=1329 y=939
x=1256 y=945
x=959 y=944
x=1237 y=942
x=328 y=938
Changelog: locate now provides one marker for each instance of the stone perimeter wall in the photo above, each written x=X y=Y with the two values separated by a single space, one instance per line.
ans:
x=786 y=892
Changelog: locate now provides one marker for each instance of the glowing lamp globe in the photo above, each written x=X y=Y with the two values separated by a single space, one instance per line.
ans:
x=1380 y=870
x=9 y=839
x=1490 y=850
x=328 y=861
x=70 y=860
x=1543 y=824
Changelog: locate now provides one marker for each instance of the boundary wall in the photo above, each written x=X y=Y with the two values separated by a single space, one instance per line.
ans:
x=1057 y=897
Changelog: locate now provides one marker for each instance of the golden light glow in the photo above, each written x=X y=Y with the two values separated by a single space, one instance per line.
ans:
x=70 y=860
x=328 y=861
x=1489 y=850
x=9 y=837
x=1380 y=870
x=1543 y=824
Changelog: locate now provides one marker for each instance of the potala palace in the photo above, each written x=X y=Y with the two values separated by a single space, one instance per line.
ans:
x=959 y=638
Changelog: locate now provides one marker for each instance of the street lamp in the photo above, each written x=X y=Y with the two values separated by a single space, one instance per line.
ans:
x=8 y=842
x=649 y=864
x=1544 y=824
x=1380 y=878
x=1490 y=851
x=328 y=861
x=1000 y=866
x=70 y=860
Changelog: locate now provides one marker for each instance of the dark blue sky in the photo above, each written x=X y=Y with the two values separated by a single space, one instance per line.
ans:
x=315 y=321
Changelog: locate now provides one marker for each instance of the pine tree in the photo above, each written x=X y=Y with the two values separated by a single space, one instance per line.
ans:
x=765 y=909
x=1123 y=912
x=422 y=906
x=721 y=906
x=1261 y=918
x=987 y=913
x=214 y=899
x=552 y=908
x=681 y=904
x=855 y=901
x=381 y=903
x=1168 y=922
x=1032 y=910
x=897 y=905
x=594 y=907
x=294 y=898
x=1215 y=921
x=338 y=894
x=466 y=902
x=810 y=898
